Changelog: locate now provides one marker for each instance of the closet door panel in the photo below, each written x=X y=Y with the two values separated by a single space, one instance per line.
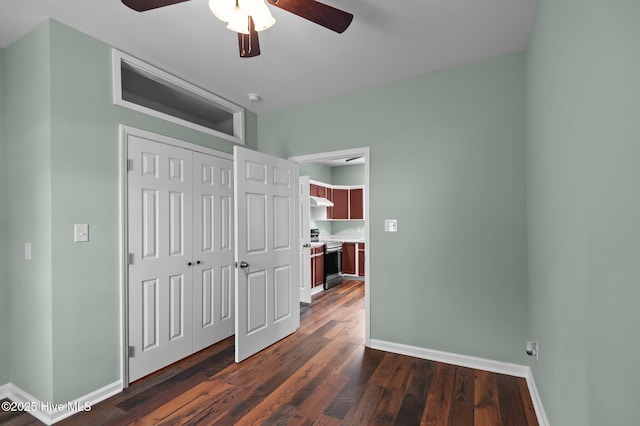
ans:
x=213 y=302
x=159 y=240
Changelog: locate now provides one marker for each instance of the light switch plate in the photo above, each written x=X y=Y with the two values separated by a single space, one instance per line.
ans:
x=80 y=232
x=27 y=251
x=391 y=225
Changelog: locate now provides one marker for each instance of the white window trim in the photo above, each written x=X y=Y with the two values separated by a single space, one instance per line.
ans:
x=238 y=112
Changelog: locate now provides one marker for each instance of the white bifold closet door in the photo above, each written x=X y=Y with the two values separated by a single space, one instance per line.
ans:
x=181 y=248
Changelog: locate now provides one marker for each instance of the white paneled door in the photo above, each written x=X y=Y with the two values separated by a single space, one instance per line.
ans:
x=213 y=274
x=267 y=287
x=180 y=276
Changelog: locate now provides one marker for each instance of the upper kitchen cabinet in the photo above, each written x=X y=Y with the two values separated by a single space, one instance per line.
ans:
x=340 y=203
x=348 y=201
x=356 y=203
x=318 y=190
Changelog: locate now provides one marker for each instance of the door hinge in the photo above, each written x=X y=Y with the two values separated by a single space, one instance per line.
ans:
x=131 y=351
x=129 y=164
x=130 y=258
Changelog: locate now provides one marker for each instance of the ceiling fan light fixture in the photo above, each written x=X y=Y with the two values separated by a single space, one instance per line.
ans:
x=236 y=14
x=239 y=22
x=222 y=9
x=262 y=18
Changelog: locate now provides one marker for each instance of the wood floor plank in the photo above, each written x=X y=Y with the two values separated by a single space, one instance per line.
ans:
x=436 y=411
x=529 y=410
x=462 y=403
x=509 y=395
x=359 y=372
x=320 y=375
x=323 y=392
x=394 y=390
x=487 y=409
x=413 y=403
x=188 y=407
x=363 y=411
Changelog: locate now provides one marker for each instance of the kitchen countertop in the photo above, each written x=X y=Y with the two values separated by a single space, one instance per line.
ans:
x=344 y=239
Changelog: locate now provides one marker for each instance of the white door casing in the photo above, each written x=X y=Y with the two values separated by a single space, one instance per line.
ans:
x=349 y=153
x=159 y=200
x=267 y=288
x=305 y=240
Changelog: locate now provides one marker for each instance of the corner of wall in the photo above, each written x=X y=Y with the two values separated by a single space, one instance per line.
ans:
x=250 y=130
x=4 y=279
x=27 y=196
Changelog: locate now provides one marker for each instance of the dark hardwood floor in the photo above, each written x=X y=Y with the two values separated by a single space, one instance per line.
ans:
x=320 y=375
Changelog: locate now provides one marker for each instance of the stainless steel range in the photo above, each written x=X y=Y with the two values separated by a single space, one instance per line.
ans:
x=332 y=263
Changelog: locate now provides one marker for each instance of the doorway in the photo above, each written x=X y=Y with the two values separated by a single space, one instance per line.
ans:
x=342 y=156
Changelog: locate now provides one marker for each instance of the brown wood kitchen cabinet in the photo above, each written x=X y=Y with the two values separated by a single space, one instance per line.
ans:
x=317 y=266
x=360 y=251
x=316 y=190
x=348 y=201
x=340 y=203
x=353 y=259
x=356 y=203
x=349 y=258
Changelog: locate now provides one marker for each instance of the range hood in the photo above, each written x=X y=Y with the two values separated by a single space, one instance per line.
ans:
x=320 y=202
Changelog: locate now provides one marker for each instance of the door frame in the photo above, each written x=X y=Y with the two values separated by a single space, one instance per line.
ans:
x=125 y=132
x=348 y=153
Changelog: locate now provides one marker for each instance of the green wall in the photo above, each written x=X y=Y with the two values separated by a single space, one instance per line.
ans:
x=316 y=171
x=63 y=146
x=348 y=175
x=28 y=132
x=447 y=161
x=583 y=110
x=4 y=282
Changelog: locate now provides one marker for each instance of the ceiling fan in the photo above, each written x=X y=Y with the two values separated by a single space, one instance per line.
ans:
x=248 y=17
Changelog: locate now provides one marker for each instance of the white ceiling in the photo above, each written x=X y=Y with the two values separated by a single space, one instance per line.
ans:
x=300 y=61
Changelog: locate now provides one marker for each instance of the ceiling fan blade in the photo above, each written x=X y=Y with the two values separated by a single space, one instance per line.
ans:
x=144 y=5
x=248 y=44
x=320 y=13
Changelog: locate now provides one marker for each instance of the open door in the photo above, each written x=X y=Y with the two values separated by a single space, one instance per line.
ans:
x=305 y=240
x=267 y=288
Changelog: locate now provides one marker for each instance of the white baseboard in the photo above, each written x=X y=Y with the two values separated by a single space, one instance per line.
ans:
x=471 y=362
x=536 y=400
x=50 y=413
x=4 y=391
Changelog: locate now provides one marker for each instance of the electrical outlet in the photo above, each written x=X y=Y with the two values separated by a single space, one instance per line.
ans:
x=80 y=232
x=391 y=225
x=532 y=349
